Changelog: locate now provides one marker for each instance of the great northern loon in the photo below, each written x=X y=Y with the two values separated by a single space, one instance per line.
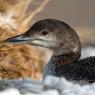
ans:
x=65 y=44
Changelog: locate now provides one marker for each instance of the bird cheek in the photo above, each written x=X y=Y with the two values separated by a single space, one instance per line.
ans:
x=36 y=42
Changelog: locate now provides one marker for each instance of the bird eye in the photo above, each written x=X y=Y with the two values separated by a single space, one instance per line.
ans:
x=44 y=32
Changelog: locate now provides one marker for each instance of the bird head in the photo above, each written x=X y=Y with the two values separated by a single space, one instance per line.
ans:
x=50 y=33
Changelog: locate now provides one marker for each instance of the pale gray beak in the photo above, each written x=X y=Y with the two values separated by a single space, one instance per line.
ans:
x=18 y=39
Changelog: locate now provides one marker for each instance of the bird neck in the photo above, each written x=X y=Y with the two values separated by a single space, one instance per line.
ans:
x=58 y=61
x=65 y=58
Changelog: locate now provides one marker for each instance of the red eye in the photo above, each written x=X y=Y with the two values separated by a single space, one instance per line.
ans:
x=44 y=32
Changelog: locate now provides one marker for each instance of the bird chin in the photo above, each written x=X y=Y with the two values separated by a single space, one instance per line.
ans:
x=46 y=54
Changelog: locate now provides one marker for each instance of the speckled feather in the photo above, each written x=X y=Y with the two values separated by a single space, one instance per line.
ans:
x=83 y=69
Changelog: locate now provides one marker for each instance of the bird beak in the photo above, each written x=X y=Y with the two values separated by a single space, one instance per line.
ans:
x=18 y=39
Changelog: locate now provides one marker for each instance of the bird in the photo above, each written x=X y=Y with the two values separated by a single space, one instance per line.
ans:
x=65 y=44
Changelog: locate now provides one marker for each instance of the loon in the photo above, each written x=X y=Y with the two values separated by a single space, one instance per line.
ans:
x=65 y=44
